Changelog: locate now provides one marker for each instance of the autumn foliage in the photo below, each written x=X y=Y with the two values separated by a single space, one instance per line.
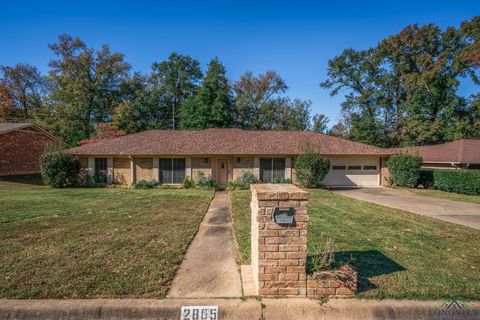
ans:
x=104 y=131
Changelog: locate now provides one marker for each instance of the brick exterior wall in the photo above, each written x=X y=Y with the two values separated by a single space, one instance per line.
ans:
x=199 y=164
x=20 y=151
x=279 y=252
x=144 y=168
x=244 y=164
x=121 y=171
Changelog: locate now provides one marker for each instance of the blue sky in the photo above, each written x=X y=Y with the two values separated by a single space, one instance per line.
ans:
x=295 y=38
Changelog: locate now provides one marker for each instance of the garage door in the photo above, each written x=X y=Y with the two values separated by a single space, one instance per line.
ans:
x=350 y=171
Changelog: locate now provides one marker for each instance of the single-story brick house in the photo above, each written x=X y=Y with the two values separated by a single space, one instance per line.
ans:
x=459 y=154
x=21 y=145
x=169 y=156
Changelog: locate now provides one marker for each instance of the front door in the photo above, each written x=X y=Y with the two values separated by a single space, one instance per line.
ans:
x=222 y=172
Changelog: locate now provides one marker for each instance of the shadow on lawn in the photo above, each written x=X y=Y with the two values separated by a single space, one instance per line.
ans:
x=368 y=264
x=29 y=179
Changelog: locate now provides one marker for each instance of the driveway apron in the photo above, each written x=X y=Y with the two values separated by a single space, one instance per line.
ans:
x=209 y=269
x=459 y=212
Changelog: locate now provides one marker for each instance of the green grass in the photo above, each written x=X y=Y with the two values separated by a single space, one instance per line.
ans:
x=241 y=222
x=445 y=195
x=397 y=254
x=93 y=243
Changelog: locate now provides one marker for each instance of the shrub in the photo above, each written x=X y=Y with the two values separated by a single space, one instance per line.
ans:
x=281 y=180
x=323 y=257
x=204 y=182
x=426 y=178
x=144 y=184
x=244 y=180
x=404 y=170
x=311 y=168
x=188 y=183
x=59 y=170
x=459 y=181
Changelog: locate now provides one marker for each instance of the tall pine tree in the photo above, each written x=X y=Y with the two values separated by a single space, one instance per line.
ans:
x=212 y=106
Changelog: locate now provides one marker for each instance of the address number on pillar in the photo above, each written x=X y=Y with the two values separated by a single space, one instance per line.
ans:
x=199 y=313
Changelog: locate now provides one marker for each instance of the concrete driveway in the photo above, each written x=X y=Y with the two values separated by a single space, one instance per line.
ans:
x=465 y=213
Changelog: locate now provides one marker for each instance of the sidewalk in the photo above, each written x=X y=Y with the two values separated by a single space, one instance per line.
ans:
x=251 y=309
x=209 y=269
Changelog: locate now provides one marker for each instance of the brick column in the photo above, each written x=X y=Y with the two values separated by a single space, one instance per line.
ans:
x=133 y=171
x=279 y=251
x=155 y=172
x=109 y=170
x=91 y=166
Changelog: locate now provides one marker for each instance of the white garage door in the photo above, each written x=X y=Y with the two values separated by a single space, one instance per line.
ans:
x=353 y=171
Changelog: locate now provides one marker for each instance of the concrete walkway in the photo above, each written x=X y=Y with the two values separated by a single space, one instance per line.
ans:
x=235 y=309
x=464 y=213
x=209 y=269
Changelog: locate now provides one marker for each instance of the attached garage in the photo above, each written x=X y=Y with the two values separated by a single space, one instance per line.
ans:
x=353 y=171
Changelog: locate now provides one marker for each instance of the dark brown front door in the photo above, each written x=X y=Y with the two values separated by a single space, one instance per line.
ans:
x=222 y=172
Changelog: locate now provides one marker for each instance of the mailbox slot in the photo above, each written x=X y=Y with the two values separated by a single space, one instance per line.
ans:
x=283 y=215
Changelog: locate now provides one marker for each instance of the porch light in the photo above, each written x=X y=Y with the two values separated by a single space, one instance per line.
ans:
x=238 y=160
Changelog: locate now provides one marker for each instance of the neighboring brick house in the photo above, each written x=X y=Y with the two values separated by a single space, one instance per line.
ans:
x=464 y=153
x=21 y=145
x=170 y=156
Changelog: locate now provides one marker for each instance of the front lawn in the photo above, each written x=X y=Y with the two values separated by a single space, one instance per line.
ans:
x=241 y=222
x=397 y=254
x=445 y=195
x=93 y=243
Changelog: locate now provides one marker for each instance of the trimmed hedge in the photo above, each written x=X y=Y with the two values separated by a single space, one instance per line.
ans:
x=459 y=181
x=404 y=170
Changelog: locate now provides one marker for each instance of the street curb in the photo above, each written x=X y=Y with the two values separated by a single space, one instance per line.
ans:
x=250 y=309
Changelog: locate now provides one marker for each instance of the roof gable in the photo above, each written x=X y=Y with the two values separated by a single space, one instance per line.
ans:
x=8 y=127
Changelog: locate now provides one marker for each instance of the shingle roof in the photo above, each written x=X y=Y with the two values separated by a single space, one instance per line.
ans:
x=460 y=151
x=223 y=142
x=7 y=127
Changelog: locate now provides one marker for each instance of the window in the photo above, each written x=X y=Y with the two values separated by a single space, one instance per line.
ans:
x=339 y=167
x=272 y=169
x=172 y=170
x=369 y=167
x=354 y=167
x=101 y=169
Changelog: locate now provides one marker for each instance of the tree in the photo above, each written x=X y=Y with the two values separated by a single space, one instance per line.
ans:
x=338 y=130
x=405 y=90
x=212 y=105
x=319 y=123
x=86 y=87
x=26 y=88
x=174 y=81
x=6 y=102
x=357 y=72
x=104 y=131
x=292 y=115
x=258 y=99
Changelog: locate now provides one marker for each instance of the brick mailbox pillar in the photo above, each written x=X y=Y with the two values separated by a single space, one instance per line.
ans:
x=279 y=248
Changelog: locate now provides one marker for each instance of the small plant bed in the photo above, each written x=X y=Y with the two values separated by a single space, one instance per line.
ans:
x=340 y=282
x=93 y=243
x=396 y=254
